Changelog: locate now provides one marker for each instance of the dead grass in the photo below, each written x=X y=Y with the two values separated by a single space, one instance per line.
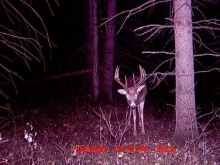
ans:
x=56 y=130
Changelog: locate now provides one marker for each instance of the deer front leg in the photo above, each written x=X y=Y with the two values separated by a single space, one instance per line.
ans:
x=129 y=116
x=134 y=118
x=141 y=116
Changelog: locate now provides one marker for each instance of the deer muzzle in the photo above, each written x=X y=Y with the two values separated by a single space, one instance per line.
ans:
x=133 y=106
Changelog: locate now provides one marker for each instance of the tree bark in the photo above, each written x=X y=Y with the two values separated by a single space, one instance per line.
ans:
x=108 y=61
x=93 y=47
x=186 y=125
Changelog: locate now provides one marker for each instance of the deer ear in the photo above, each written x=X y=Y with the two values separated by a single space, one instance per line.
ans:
x=122 y=91
x=140 y=88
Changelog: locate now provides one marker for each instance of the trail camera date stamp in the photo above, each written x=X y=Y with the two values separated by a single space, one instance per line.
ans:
x=128 y=148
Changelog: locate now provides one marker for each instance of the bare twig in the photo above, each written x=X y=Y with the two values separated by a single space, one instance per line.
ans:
x=144 y=6
x=24 y=41
x=209 y=70
x=158 y=52
x=151 y=30
x=121 y=127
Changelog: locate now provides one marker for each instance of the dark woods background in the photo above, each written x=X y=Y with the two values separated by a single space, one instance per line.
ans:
x=67 y=30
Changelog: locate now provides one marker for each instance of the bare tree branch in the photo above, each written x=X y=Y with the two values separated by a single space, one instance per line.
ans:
x=207 y=54
x=144 y=6
x=158 y=52
x=209 y=70
x=152 y=30
x=199 y=40
x=21 y=37
x=209 y=25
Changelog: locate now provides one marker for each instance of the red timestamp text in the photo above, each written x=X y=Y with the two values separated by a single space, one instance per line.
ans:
x=128 y=148
x=91 y=149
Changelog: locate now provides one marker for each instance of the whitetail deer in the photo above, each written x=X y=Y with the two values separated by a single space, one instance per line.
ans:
x=135 y=91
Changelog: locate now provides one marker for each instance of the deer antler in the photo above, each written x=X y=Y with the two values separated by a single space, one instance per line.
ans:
x=142 y=78
x=117 y=79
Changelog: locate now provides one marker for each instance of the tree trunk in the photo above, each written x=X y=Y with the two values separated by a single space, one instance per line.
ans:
x=93 y=46
x=108 y=64
x=186 y=124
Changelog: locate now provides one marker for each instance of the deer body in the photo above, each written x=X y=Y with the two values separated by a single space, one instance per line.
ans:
x=135 y=91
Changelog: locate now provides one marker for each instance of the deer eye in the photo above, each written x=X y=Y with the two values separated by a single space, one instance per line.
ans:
x=128 y=99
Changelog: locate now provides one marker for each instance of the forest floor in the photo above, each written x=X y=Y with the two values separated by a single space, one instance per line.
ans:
x=59 y=134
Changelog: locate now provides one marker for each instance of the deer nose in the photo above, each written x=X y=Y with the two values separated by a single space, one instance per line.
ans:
x=133 y=107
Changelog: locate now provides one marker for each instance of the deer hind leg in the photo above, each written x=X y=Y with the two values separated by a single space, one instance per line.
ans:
x=141 y=116
x=134 y=118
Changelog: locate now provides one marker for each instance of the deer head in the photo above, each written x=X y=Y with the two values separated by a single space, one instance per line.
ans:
x=133 y=87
